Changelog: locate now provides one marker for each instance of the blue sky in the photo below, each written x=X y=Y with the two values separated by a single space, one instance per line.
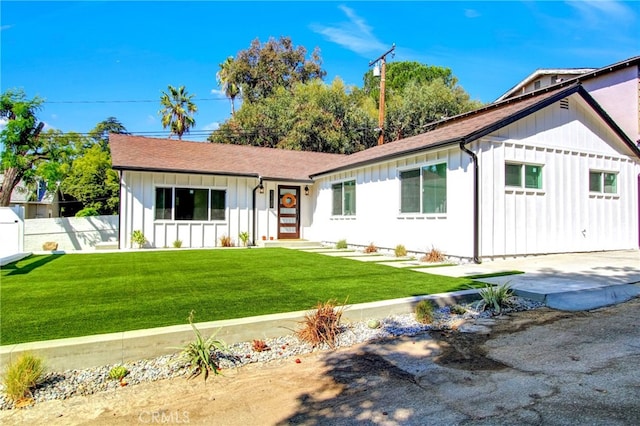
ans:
x=92 y=60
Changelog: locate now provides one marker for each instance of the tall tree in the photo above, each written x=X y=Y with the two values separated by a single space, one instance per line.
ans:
x=421 y=103
x=399 y=74
x=262 y=68
x=100 y=133
x=177 y=110
x=312 y=116
x=93 y=182
x=24 y=151
x=229 y=87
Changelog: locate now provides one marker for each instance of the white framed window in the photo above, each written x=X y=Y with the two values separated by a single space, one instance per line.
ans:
x=180 y=203
x=424 y=190
x=519 y=175
x=603 y=182
x=344 y=198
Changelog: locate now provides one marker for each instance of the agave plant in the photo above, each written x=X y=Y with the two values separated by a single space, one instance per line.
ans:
x=495 y=296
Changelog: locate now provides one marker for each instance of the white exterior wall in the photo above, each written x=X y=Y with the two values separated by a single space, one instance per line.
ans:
x=137 y=206
x=378 y=219
x=564 y=216
x=70 y=233
x=619 y=94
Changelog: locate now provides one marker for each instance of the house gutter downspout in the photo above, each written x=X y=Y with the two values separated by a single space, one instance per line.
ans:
x=253 y=211
x=476 y=201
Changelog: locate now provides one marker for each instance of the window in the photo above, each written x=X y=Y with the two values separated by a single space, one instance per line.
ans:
x=603 y=182
x=536 y=85
x=217 y=204
x=190 y=204
x=164 y=203
x=344 y=198
x=424 y=190
x=517 y=174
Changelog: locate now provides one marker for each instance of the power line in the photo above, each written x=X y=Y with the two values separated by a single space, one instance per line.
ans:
x=126 y=101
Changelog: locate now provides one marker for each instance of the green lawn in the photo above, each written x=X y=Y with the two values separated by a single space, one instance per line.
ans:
x=56 y=296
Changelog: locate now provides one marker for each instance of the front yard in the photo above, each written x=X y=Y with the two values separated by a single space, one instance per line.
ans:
x=56 y=296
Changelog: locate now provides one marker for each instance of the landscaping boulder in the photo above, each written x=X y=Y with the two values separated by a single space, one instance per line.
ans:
x=50 y=246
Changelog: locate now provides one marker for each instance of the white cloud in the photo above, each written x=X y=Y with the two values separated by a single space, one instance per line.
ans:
x=354 y=35
x=218 y=93
x=471 y=13
x=151 y=119
x=212 y=126
x=596 y=13
x=5 y=27
x=3 y=123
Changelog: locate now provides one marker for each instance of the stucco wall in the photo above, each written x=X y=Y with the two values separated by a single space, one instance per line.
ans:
x=71 y=233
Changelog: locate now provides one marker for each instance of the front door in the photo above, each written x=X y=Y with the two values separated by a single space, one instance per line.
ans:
x=288 y=212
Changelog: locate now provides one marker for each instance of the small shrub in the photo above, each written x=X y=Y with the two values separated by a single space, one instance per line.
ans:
x=495 y=296
x=177 y=243
x=22 y=375
x=424 y=311
x=400 y=251
x=433 y=256
x=88 y=211
x=371 y=248
x=322 y=325
x=260 y=346
x=226 y=241
x=200 y=354
x=342 y=244
x=137 y=237
x=244 y=237
x=118 y=372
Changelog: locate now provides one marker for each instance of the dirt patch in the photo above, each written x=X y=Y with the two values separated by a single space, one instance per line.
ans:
x=467 y=351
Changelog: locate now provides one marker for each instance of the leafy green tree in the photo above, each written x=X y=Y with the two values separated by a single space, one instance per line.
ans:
x=262 y=68
x=399 y=74
x=100 y=133
x=177 y=110
x=312 y=116
x=93 y=182
x=422 y=103
x=25 y=153
x=229 y=87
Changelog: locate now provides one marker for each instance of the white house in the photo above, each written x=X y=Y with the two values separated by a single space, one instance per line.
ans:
x=545 y=172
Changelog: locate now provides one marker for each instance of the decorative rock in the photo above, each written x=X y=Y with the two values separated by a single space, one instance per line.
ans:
x=50 y=246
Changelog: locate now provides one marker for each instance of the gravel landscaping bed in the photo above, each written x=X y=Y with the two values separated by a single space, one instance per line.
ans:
x=65 y=384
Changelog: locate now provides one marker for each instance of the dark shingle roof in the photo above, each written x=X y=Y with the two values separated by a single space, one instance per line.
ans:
x=149 y=154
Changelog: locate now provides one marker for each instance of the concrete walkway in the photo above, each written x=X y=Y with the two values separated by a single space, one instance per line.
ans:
x=570 y=282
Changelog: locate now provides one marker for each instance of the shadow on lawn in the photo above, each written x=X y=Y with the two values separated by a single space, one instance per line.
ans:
x=28 y=264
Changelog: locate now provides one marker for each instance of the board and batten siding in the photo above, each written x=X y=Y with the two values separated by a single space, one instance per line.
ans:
x=138 y=209
x=563 y=216
x=378 y=219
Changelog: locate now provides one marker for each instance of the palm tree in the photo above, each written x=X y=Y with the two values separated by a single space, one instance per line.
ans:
x=177 y=110
x=224 y=78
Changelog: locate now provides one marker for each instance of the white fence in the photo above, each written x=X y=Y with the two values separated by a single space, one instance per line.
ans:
x=11 y=230
x=70 y=233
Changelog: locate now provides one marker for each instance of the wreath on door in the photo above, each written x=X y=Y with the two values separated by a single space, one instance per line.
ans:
x=288 y=200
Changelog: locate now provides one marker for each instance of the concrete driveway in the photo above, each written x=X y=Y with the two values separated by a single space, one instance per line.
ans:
x=572 y=282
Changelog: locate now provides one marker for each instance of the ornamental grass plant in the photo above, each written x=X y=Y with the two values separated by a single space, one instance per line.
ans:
x=322 y=325
x=22 y=376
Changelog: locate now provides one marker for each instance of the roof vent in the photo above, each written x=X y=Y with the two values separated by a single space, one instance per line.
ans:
x=564 y=103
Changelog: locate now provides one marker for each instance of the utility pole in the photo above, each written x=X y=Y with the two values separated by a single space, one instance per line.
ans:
x=381 y=62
